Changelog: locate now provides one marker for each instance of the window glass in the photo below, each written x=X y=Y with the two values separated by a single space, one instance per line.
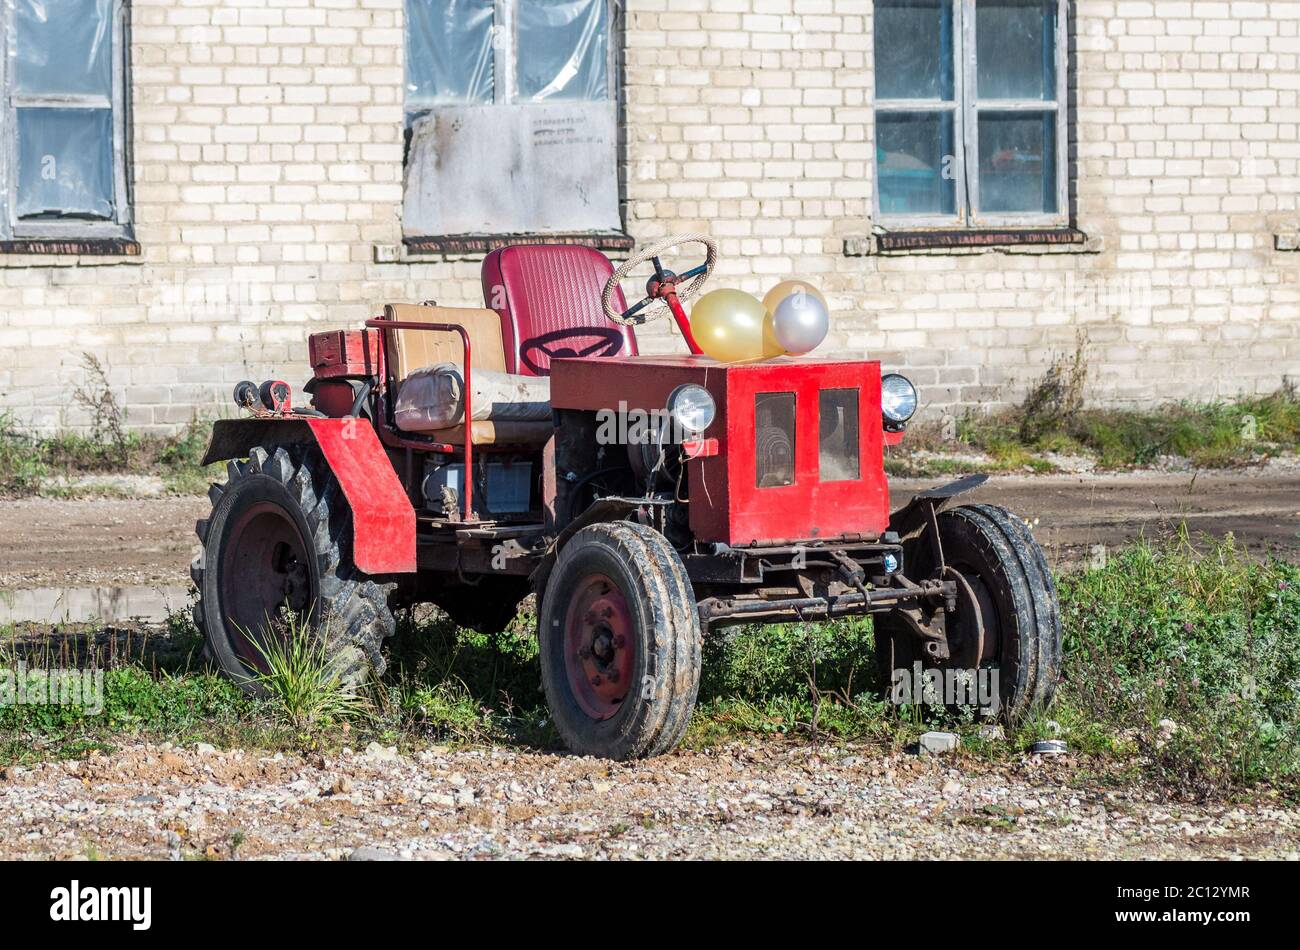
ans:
x=449 y=55
x=838 y=439
x=1017 y=162
x=774 y=439
x=969 y=127
x=913 y=42
x=63 y=47
x=914 y=162
x=65 y=163
x=563 y=50
x=1016 y=49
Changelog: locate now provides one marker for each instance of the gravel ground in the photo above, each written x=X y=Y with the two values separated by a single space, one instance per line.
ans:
x=772 y=799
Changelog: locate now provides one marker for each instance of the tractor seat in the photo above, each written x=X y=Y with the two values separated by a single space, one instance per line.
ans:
x=410 y=350
x=548 y=296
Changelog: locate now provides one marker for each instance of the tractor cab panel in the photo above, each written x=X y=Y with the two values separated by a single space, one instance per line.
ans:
x=794 y=451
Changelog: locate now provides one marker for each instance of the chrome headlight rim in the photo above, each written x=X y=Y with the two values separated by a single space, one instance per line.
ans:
x=893 y=404
x=692 y=408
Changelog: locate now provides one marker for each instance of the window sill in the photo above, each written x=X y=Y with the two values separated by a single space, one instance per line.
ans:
x=43 y=252
x=413 y=249
x=957 y=241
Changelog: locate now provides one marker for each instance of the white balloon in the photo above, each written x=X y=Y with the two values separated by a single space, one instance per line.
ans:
x=800 y=323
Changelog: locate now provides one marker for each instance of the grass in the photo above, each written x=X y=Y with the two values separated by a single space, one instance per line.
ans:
x=32 y=465
x=1206 y=642
x=43 y=465
x=1182 y=666
x=302 y=681
x=1052 y=418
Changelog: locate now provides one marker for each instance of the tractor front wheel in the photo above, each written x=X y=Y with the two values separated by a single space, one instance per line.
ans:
x=276 y=558
x=620 y=642
x=1007 y=620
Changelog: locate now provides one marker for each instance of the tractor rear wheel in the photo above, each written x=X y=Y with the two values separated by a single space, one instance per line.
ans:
x=1007 y=618
x=277 y=556
x=620 y=642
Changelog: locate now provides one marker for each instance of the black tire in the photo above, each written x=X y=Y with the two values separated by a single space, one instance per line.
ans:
x=1002 y=562
x=307 y=540
x=659 y=624
x=487 y=606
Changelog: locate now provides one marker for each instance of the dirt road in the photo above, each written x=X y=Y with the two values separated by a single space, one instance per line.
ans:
x=770 y=799
x=116 y=542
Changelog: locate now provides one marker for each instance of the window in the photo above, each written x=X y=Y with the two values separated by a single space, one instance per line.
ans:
x=970 y=112
x=64 y=158
x=511 y=117
x=838 y=444
x=774 y=439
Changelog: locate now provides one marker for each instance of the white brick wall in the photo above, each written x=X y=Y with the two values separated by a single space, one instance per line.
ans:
x=267 y=168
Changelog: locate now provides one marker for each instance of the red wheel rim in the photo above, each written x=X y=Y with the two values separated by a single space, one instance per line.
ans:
x=599 y=646
x=264 y=571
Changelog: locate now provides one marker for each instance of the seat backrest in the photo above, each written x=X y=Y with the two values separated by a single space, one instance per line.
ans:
x=548 y=296
x=409 y=350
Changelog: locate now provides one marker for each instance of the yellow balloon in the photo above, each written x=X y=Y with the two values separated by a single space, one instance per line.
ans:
x=788 y=287
x=729 y=325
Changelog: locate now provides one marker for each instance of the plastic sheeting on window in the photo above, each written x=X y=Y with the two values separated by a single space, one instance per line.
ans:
x=449 y=55
x=65 y=163
x=63 y=47
x=563 y=50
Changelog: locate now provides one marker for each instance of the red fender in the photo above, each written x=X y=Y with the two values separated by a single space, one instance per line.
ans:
x=383 y=521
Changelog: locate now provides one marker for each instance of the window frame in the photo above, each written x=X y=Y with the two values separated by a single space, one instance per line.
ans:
x=11 y=227
x=505 y=86
x=966 y=109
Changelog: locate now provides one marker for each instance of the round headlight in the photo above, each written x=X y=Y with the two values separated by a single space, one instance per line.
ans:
x=692 y=408
x=897 y=398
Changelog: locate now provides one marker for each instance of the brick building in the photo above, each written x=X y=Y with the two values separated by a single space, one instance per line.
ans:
x=191 y=186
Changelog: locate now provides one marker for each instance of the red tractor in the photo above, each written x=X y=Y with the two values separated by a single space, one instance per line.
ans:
x=469 y=457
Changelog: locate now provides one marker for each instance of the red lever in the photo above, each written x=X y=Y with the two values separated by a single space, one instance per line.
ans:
x=683 y=323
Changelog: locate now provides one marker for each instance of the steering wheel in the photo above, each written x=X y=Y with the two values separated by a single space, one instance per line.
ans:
x=664 y=283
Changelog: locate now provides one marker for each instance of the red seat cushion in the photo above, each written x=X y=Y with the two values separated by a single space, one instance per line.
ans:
x=548 y=296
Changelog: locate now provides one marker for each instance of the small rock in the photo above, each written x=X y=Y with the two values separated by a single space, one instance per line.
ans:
x=564 y=851
x=380 y=753
x=342 y=785
x=372 y=854
x=937 y=743
x=146 y=800
x=600 y=788
x=951 y=789
x=202 y=748
x=173 y=761
x=992 y=732
x=1167 y=727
